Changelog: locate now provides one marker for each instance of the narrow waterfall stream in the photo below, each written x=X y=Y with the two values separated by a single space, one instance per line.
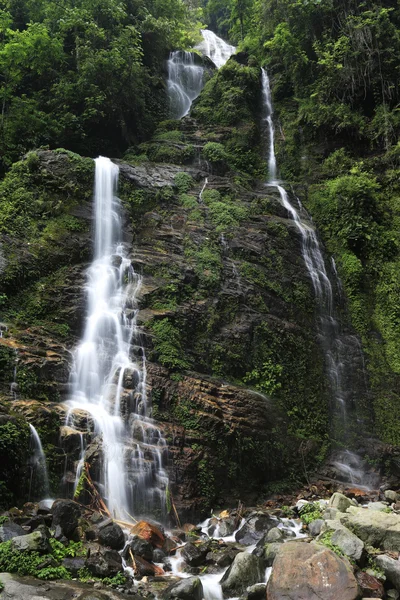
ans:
x=108 y=378
x=39 y=479
x=335 y=344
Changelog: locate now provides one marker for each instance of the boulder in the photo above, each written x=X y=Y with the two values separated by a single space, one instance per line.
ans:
x=246 y=570
x=370 y=586
x=195 y=555
x=377 y=505
x=391 y=568
x=375 y=528
x=341 y=502
x=310 y=572
x=349 y=544
x=66 y=514
x=186 y=589
x=255 y=527
x=274 y=535
x=74 y=564
x=140 y=547
x=149 y=532
x=222 y=558
x=103 y=562
x=391 y=496
x=111 y=535
x=315 y=527
x=266 y=552
x=37 y=541
x=145 y=568
x=255 y=592
x=10 y=530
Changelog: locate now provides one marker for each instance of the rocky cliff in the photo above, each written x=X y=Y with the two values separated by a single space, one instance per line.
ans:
x=227 y=314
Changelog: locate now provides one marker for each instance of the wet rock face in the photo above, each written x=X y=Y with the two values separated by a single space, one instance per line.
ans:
x=238 y=298
x=103 y=562
x=111 y=535
x=246 y=570
x=66 y=514
x=310 y=571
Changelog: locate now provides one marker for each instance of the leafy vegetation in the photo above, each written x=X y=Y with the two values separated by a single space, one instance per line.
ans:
x=310 y=512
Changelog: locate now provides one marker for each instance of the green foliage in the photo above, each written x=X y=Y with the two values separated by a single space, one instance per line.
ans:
x=168 y=345
x=14 y=451
x=326 y=540
x=267 y=379
x=183 y=182
x=215 y=152
x=29 y=563
x=310 y=512
x=86 y=74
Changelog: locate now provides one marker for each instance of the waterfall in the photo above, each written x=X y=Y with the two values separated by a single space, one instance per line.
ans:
x=336 y=345
x=186 y=79
x=39 y=466
x=108 y=378
x=215 y=48
x=185 y=82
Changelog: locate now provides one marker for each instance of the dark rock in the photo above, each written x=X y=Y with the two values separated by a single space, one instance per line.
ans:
x=103 y=562
x=255 y=527
x=246 y=570
x=158 y=555
x=140 y=547
x=195 y=555
x=66 y=514
x=370 y=586
x=391 y=568
x=74 y=564
x=111 y=534
x=255 y=592
x=187 y=589
x=10 y=530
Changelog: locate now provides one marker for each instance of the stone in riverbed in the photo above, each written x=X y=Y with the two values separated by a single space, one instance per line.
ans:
x=195 y=555
x=149 y=532
x=246 y=570
x=315 y=527
x=186 y=589
x=370 y=586
x=310 y=572
x=391 y=568
x=111 y=535
x=341 y=502
x=349 y=544
x=375 y=528
x=66 y=514
x=10 y=530
x=37 y=541
x=103 y=562
x=255 y=527
x=140 y=547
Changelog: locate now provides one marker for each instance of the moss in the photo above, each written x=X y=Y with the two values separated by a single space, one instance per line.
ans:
x=168 y=345
x=14 y=451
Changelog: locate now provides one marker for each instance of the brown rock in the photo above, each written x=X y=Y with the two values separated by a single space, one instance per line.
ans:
x=310 y=572
x=150 y=533
x=370 y=586
x=142 y=568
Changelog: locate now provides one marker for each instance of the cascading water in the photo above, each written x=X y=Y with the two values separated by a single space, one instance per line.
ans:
x=186 y=78
x=39 y=480
x=108 y=378
x=336 y=345
x=215 y=48
x=185 y=82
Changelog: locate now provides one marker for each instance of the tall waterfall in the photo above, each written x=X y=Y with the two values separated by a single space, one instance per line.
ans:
x=39 y=476
x=337 y=346
x=186 y=78
x=108 y=379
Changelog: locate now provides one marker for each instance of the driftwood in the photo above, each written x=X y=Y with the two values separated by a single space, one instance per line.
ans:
x=97 y=502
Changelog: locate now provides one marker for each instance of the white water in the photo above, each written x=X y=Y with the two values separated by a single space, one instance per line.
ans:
x=108 y=379
x=38 y=463
x=185 y=82
x=337 y=347
x=186 y=78
x=215 y=48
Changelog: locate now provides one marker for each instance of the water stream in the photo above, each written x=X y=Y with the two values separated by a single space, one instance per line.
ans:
x=108 y=379
x=186 y=73
x=39 y=480
x=337 y=346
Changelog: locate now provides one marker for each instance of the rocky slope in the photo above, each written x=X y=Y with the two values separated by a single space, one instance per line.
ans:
x=235 y=369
